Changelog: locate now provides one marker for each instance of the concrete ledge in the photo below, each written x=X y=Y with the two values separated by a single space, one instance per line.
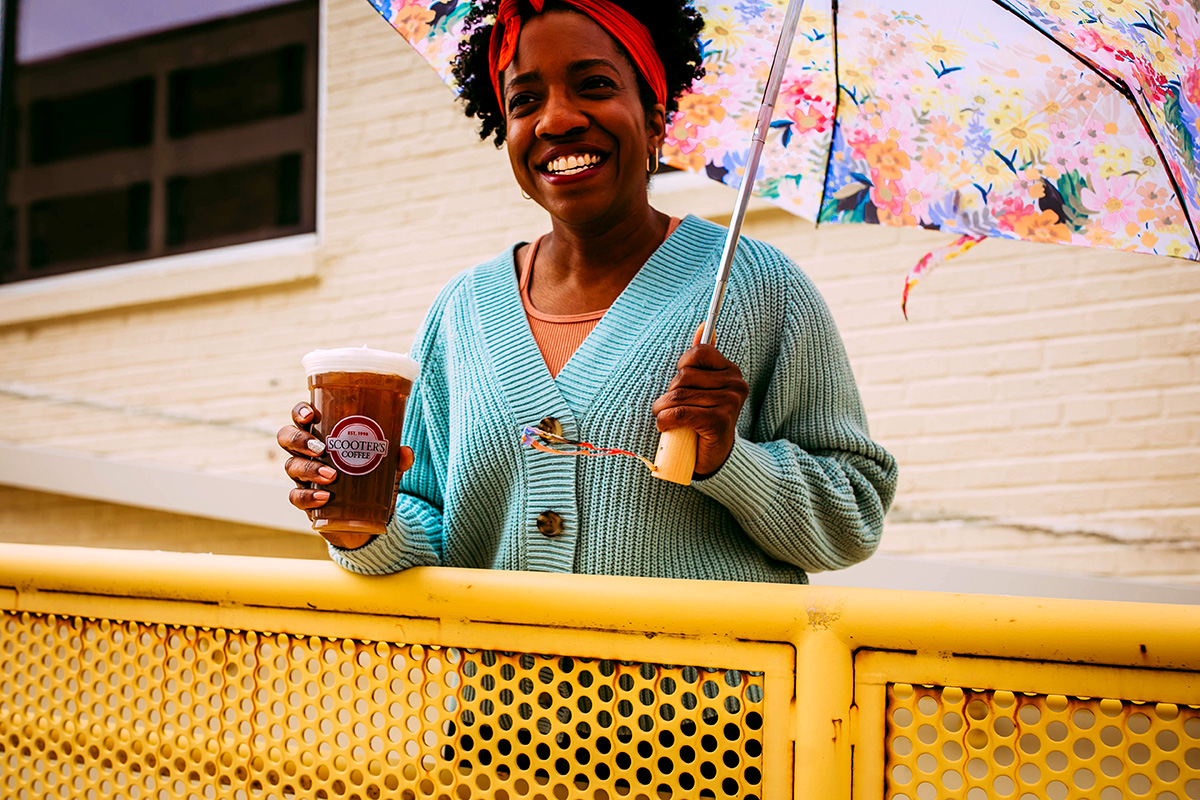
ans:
x=242 y=500
x=227 y=269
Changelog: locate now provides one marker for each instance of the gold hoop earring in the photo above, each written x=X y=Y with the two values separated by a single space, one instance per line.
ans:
x=652 y=164
x=526 y=196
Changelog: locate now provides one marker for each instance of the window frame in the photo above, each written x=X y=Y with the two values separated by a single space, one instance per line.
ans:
x=216 y=266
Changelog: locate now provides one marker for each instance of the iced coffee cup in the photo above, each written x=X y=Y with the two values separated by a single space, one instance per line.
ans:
x=359 y=395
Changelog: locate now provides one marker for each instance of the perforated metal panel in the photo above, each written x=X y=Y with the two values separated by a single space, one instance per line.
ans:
x=949 y=742
x=97 y=709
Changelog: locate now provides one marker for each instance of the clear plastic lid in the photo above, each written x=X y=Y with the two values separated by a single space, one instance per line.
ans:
x=360 y=359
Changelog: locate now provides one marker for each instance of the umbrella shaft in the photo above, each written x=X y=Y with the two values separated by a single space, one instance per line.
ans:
x=786 y=33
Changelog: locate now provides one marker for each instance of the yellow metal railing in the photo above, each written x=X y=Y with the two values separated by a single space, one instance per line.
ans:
x=153 y=675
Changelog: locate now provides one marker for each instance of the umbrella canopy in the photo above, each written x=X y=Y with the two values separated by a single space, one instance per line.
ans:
x=1061 y=121
x=1067 y=121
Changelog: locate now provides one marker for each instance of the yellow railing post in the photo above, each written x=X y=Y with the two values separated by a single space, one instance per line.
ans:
x=824 y=696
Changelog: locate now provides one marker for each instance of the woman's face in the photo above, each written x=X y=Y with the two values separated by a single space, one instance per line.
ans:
x=578 y=135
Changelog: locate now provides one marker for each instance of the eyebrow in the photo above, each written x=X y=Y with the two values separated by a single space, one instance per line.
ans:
x=583 y=65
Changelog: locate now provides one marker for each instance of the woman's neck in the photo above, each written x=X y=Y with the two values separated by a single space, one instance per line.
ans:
x=581 y=269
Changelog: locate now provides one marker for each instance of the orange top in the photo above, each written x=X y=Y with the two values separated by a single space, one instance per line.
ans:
x=558 y=336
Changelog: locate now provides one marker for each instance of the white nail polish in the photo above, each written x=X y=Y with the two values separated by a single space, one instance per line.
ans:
x=316 y=446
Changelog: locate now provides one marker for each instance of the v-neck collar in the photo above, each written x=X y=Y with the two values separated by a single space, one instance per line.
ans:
x=665 y=273
x=531 y=390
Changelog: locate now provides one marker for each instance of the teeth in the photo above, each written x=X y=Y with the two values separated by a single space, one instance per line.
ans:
x=570 y=165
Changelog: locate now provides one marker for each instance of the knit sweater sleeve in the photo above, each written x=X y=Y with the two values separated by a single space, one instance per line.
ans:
x=804 y=479
x=414 y=534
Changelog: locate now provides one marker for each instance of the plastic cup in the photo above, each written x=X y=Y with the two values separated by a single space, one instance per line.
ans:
x=359 y=395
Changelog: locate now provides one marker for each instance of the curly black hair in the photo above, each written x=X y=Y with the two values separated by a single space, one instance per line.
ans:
x=674 y=25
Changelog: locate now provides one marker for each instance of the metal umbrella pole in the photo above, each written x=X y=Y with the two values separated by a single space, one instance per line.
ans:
x=676 y=457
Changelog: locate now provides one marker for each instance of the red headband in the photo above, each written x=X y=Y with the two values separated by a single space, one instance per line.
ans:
x=620 y=24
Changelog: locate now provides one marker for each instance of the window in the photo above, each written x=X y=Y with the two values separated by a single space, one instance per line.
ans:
x=135 y=129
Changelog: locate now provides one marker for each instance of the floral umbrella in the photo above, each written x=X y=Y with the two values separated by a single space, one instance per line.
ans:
x=1065 y=121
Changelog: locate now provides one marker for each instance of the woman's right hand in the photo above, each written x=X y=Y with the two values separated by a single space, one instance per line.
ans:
x=303 y=466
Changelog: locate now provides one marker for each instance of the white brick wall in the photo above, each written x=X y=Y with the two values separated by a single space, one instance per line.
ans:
x=1044 y=402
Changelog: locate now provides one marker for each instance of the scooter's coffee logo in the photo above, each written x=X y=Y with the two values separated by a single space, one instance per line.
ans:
x=357 y=445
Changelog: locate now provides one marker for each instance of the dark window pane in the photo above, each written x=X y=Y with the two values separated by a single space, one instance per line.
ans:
x=111 y=118
x=289 y=190
x=241 y=200
x=10 y=118
x=237 y=92
x=8 y=243
x=90 y=226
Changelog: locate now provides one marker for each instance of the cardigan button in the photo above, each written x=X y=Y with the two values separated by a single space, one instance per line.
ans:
x=552 y=426
x=549 y=524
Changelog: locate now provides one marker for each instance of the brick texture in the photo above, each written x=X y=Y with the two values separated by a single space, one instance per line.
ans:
x=1043 y=401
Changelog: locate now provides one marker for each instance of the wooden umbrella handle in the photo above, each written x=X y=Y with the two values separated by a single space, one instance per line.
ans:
x=676 y=457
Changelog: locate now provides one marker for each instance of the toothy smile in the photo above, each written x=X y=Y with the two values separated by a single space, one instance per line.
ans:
x=571 y=165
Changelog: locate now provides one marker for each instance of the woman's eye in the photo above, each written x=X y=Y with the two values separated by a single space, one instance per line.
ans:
x=599 y=82
x=518 y=100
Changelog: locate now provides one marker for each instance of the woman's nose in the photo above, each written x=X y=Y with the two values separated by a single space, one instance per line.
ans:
x=560 y=116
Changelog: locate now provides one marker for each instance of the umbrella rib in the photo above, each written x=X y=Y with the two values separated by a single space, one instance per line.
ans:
x=1122 y=89
x=837 y=102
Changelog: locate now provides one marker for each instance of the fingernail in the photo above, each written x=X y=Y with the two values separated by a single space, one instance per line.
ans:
x=316 y=447
x=327 y=472
x=305 y=413
x=320 y=495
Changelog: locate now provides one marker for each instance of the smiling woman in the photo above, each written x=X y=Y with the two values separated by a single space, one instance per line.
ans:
x=577 y=334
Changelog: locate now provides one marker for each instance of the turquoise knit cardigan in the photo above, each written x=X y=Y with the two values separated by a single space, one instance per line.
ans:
x=804 y=489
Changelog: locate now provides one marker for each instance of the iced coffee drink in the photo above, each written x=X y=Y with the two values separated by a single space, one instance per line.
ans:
x=359 y=395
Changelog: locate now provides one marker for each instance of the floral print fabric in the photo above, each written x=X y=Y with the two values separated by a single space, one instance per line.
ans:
x=434 y=29
x=970 y=119
x=1152 y=48
x=1067 y=121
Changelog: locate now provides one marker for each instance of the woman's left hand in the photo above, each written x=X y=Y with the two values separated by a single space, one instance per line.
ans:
x=706 y=395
